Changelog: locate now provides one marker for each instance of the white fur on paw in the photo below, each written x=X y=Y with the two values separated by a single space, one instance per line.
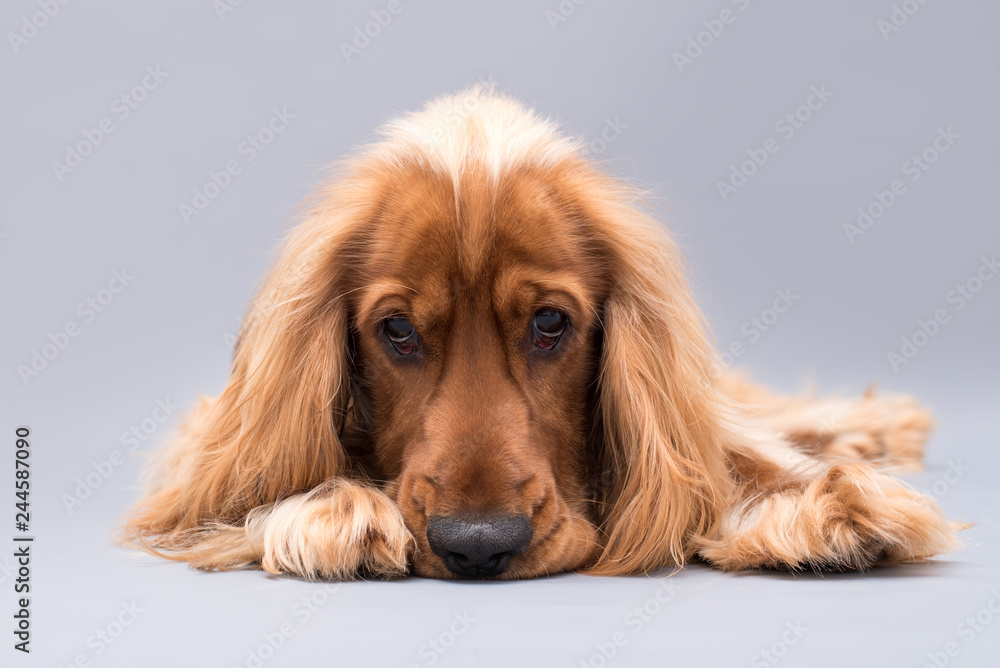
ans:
x=337 y=531
x=849 y=517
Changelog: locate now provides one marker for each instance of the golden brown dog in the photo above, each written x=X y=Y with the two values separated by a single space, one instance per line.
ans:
x=478 y=356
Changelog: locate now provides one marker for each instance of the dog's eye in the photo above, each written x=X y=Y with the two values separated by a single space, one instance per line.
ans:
x=548 y=325
x=401 y=334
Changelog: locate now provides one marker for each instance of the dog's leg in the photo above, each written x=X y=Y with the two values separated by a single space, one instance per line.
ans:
x=337 y=531
x=793 y=511
x=889 y=429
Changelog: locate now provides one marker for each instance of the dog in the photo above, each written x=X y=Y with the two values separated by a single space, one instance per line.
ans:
x=477 y=356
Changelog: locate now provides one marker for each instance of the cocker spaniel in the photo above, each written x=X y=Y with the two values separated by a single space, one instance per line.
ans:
x=478 y=356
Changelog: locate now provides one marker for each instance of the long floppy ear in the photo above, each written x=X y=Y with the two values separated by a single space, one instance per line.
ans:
x=663 y=436
x=274 y=429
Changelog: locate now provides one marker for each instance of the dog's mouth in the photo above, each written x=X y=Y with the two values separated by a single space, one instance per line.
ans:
x=464 y=529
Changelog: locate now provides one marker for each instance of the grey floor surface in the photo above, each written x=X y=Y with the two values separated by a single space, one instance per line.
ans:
x=902 y=616
x=698 y=617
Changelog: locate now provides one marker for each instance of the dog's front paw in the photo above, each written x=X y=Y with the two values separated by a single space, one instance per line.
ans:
x=338 y=531
x=848 y=517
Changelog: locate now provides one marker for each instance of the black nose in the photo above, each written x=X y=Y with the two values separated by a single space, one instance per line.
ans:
x=478 y=547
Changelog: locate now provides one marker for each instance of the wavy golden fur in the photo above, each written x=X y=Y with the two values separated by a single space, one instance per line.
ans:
x=396 y=402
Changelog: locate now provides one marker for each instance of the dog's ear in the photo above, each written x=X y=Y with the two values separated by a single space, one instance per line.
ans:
x=274 y=429
x=662 y=450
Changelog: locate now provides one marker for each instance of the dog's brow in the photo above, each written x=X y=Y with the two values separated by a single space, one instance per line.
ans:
x=385 y=288
x=515 y=279
x=383 y=291
x=428 y=302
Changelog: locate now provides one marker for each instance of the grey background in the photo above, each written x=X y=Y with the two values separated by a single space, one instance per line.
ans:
x=165 y=336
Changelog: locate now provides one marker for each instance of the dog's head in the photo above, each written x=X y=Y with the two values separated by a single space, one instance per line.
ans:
x=477 y=319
